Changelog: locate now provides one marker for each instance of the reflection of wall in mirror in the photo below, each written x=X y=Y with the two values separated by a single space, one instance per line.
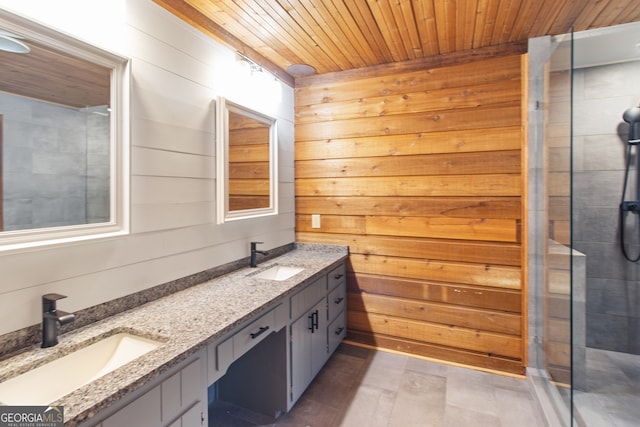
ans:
x=248 y=163
x=55 y=164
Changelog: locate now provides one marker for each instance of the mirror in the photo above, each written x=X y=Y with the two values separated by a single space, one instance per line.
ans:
x=61 y=132
x=246 y=162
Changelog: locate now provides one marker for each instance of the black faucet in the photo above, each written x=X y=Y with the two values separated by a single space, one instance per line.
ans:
x=254 y=251
x=51 y=317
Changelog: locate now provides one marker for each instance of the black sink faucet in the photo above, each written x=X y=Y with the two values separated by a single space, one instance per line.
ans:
x=254 y=251
x=51 y=317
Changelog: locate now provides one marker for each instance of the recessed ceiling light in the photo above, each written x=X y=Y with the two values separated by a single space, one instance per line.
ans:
x=10 y=44
x=300 y=70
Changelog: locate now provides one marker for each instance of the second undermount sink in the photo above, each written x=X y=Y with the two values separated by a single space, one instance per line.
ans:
x=47 y=383
x=279 y=272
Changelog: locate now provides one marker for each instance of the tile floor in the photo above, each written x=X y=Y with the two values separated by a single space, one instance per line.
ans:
x=612 y=397
x=362 y=387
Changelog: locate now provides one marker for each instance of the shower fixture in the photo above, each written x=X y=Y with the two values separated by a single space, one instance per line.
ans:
x=632 y=117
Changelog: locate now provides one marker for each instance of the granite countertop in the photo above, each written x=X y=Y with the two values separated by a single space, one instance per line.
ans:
x=185 y=321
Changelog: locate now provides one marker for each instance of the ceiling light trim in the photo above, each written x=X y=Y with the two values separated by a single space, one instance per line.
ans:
x=11 y=44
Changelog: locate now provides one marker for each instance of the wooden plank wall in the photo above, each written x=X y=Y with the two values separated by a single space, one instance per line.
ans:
x=248 y=163
x=420 y=173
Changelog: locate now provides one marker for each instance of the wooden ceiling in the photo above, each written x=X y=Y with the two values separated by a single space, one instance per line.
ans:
x=52 y=76
x=337 y=35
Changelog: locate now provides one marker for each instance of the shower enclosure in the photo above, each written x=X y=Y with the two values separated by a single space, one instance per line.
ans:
x=584 y=293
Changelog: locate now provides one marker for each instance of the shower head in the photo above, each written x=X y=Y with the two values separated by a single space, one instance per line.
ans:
x=632 y=116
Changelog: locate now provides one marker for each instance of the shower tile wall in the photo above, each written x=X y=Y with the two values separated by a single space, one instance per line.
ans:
x=46 y=149
x=601 y=95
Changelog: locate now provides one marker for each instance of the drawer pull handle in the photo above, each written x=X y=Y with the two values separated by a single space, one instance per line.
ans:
x=338 y=300
x=260 y=332
x=339 y=331
x=314 y=321
x=338 y=276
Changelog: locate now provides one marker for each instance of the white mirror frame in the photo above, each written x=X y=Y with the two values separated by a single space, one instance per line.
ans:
x=222 y=164
x=119 y=140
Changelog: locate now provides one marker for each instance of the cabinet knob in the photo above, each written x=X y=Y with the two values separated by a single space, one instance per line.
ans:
x=339 y=330
x=338 y=300
x=338 y=276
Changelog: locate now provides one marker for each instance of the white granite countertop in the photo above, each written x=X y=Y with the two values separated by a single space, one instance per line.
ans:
x=186 y=321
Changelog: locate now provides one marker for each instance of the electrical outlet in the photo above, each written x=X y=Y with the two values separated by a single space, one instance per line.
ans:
x=315 y=220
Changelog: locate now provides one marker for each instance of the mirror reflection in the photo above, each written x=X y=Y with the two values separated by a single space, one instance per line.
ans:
x=54 y=138
x=249 y=180
x=246 y=162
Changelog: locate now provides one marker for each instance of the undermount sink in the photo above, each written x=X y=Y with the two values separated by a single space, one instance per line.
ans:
x=279 y=272
x=47 y=383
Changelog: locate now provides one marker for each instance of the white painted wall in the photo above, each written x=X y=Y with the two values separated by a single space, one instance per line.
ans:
x=177 y=72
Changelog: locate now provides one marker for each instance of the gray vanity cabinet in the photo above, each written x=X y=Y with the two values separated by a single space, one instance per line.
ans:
x=293 y=338
x=337 y=307
x=308 y=348
x=312 y=338
x=176 y=400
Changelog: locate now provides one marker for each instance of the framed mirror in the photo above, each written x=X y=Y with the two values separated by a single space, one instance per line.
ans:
x=63 y=136
x=246 y=162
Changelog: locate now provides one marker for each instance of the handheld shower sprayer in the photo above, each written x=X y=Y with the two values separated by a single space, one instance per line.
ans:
x=632 y=116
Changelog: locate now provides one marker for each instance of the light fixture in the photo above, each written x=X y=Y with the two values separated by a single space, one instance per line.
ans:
x=9 y=43
x=300 y=70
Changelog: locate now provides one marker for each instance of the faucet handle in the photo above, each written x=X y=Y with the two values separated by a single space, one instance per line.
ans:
x=49 y=301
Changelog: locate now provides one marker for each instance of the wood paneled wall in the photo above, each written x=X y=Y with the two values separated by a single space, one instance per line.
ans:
x=249 y=156
x=420 y=173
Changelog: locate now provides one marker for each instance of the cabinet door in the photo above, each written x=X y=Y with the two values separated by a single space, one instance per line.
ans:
x=193 y=417
x=308 y=347
x=142 y=412
x=319 y=343
x=300 y=356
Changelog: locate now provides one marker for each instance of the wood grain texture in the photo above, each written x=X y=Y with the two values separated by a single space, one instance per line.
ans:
x=447 y=314
x=349 y=35
x=50 y=75
x=407 y=247
x=421 y=174
x=452 y=354
x=479 y=297
x=463 y=338
x=248 y=162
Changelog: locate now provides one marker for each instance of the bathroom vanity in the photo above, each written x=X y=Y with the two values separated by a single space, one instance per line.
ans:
x=242 y=338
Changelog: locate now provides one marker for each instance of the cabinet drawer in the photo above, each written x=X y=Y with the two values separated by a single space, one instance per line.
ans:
x=337 y=276
x=308 y=297
x=222 y=355
x=337 y=331
x=255 y=332
x=337 y=300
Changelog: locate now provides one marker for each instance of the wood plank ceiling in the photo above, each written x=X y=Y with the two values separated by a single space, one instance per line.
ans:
x=337 y=35
x=53 y=76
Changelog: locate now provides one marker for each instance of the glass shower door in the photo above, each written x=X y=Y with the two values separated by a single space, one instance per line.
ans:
x=550 y=251
x=560 y=258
